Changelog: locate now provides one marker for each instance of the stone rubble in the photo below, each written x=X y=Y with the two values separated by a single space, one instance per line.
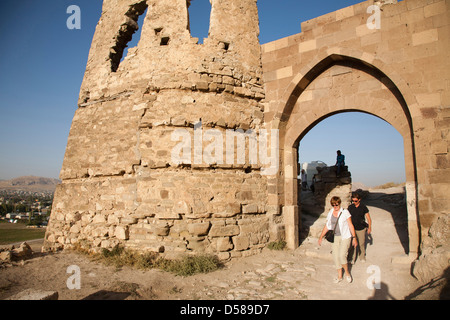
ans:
x=12 y=254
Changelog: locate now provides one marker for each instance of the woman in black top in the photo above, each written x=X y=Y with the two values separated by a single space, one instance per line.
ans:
x=360 y=214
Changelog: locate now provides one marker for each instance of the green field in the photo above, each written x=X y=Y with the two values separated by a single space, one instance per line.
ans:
x=12 y=233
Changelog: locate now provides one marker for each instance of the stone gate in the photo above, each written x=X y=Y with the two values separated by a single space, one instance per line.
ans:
x=399 y=73
x=161 y=152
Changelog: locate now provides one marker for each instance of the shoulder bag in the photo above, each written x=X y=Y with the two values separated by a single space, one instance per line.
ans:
x=330 y=233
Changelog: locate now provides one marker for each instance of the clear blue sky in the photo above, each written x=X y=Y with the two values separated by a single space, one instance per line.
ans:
x=42 y=64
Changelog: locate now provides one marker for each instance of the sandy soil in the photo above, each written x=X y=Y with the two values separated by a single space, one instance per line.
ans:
x=303 y=274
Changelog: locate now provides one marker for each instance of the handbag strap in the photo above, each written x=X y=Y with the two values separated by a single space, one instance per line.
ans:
x=334 y=230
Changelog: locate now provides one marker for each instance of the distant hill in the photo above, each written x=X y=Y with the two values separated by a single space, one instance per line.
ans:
x=359 y=185
x=30 y=184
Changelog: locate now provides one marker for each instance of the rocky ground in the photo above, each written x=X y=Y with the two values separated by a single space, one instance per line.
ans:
x=303 y=274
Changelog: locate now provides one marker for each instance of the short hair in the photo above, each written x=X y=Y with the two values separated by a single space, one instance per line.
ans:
x=335 y=200
x=356 y=195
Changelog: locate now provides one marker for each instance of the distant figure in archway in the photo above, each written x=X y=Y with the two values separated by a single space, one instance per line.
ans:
x=340 y=162
x=304 y=178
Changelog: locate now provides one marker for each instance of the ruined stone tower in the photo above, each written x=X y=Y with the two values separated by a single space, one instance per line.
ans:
x=121 y=183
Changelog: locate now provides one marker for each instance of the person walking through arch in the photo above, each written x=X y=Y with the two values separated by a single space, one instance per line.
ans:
x=340 y=162
x=339 y=220
x=304 y=178
x=362 y=222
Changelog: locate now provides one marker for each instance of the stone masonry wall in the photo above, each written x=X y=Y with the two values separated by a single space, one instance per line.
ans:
x=120 y=182
x=329 y=185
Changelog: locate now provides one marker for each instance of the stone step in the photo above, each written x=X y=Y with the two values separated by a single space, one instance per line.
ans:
x=34 y=294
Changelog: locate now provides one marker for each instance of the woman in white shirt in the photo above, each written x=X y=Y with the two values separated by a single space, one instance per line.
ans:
x=344 y=233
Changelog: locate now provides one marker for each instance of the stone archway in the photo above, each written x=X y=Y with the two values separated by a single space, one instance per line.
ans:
x=340 y=83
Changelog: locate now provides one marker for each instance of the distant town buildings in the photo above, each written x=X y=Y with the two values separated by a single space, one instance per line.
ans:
x=18 y=205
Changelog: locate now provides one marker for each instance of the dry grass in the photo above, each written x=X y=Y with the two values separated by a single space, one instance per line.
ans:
x=187 y=266
x=277 y=245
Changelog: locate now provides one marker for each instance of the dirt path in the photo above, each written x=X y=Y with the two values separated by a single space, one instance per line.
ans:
x=305 y=273
x=385 y=255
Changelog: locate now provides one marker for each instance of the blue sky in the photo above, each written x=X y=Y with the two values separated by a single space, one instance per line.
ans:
x=42 y=64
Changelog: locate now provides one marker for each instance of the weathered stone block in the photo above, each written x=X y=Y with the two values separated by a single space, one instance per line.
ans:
x=33 y=294
x=199 y=229
x=224 y=231
x=227 y=211
x=162 y=229
x=241 y=242
x=198 y=244
x=99 y=218
x=122 y=233
x=224 y=244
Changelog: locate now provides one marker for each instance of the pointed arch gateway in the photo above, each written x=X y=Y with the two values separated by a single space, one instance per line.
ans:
x=340 y=82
